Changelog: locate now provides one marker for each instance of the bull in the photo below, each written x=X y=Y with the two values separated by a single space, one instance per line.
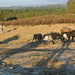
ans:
x=37 y=37
x=51 y=37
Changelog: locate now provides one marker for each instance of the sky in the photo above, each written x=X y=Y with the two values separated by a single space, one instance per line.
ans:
x=9 y=3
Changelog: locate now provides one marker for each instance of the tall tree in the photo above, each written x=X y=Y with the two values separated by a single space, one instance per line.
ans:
x=1 y=15
x=71 y=6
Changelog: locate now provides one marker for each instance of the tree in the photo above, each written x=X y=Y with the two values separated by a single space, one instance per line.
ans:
x=71 y=6
x=1 y=15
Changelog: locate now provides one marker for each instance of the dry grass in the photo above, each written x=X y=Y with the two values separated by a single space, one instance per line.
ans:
x=17 y=47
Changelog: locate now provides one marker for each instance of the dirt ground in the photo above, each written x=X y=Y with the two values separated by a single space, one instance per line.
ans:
x=20 y=55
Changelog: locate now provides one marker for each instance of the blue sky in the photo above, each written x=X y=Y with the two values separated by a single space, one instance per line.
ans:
x=8 y=3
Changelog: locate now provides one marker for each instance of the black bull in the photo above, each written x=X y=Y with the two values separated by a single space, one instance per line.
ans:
x=68 y=35
x=51 y=37
x=37 y=37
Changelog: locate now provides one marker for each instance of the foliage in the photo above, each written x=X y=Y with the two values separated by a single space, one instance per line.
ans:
x=36 y=16
x=2 y=15
x=20 y=13
x=41 y=20
x=71 y=6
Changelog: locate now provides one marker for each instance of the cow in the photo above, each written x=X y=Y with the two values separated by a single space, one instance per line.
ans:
x=65 y=33
x=68 y=35
x=51 y=37
x=1 y=29
x=65 y=36
x=37 y=37
x=65 y=29
x=72 y=35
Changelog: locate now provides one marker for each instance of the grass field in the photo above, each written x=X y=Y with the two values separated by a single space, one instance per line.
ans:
x=17 y=48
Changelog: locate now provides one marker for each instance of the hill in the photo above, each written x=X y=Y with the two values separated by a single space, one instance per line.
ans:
x=36 y=7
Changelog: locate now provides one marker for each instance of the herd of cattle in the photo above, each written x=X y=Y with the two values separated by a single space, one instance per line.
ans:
x=65 y=34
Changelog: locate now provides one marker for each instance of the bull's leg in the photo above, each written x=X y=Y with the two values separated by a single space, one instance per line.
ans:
x=63 y=40
x=68 y=38
x=53 y=41
x=33 y=40
x=44 y=42
x=72 y=38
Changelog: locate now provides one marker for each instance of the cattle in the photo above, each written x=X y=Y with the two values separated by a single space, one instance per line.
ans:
x=37 y=37
x=72 y=34
x=65 y=29
x=68 y=35
x=1 y=29
x=65 y=36
x=51 y=37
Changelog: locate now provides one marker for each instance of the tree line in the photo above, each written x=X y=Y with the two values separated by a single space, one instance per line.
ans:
x=39 y=16
x=7 y=14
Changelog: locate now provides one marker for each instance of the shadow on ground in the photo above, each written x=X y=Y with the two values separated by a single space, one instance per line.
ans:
x=9 y=39
x=12 y=29
x=41 y=67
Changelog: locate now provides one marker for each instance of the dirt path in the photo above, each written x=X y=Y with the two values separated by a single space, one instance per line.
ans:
x=18 y=54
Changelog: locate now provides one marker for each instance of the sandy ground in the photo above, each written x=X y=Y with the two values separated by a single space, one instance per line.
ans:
x=17 y=48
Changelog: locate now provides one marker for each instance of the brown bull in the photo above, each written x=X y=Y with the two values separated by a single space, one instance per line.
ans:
x=65 y=29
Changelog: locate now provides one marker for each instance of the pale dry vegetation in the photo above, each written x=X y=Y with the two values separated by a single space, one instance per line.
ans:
x=17 y=48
